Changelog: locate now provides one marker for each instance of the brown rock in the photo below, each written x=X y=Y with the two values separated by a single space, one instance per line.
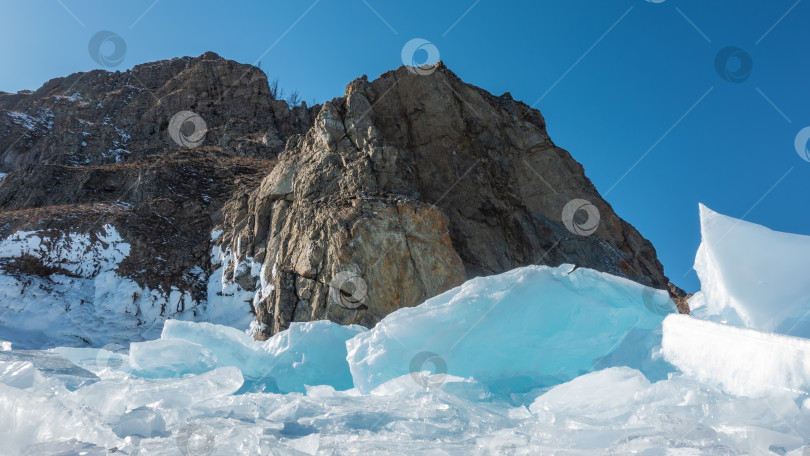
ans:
x=93 y=148
x=414 y=184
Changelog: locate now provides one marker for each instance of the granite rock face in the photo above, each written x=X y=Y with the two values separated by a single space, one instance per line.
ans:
x=410 y=184
x=403 y=188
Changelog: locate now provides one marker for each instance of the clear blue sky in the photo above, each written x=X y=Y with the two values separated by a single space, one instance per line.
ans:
x=619 y=77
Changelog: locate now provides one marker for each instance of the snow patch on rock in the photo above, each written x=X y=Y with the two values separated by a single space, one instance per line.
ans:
x=312 y=353
x=228 y=303
x=80 y=254
x=40 y=122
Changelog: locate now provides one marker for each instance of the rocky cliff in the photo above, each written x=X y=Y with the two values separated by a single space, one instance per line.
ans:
x=399 y=190
x=93 y=148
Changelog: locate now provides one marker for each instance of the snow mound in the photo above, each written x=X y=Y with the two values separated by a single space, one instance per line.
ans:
x=312 y=353
x=752 y=276
x=741 y=361
x=529 y=327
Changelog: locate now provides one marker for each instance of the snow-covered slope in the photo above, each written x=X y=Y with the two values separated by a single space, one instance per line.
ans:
x=64 y=288
x=752 y=276
x=82 y=299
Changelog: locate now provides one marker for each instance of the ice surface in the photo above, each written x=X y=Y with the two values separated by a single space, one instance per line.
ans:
x=21 y=369
x=742 y=361
x=143 y=422
x=100 y=361
x=753 y=276
x=312 y=353
x=33 y=411
x=608 y=395
x=115 y=396
x=600 y=407
x=529 y=327
x=19 y=374
x=170 y=358
x=611 y=411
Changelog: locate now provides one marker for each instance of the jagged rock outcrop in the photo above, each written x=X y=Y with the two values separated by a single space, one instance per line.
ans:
x=99 y=117
x=409 y=185
x=403 y=188
x=93 y=148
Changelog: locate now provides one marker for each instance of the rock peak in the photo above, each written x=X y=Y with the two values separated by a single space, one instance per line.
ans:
x=210 y=55
x=413 y=183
